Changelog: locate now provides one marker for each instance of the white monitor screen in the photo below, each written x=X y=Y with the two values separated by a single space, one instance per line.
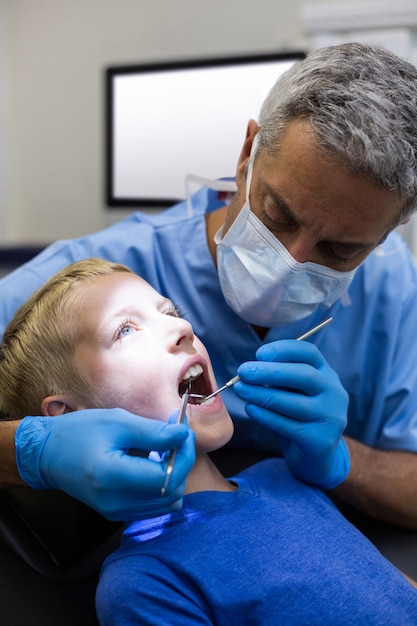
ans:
x=164 y=121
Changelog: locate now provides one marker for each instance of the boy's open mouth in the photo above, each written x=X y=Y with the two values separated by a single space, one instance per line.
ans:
x=197 y=382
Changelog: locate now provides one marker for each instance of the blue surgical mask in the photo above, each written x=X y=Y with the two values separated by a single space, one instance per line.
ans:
x=262 y=282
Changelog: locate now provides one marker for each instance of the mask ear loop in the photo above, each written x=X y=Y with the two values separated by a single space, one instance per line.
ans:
x=212 y=183
x=252 y=157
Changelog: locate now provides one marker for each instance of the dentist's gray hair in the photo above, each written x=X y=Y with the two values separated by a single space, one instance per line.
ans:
x=361 y=102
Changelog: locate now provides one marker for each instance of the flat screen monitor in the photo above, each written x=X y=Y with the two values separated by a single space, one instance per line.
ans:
x=167 y=120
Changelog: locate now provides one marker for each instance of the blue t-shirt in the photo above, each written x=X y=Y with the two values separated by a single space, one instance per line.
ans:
x=275 y=551
x=372 y=342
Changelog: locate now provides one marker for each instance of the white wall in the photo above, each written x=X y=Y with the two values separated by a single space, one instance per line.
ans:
x=4 y=151
x=53 y=89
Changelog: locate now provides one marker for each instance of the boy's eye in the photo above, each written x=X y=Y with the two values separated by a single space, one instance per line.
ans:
x=126 y=330
x=172 y=312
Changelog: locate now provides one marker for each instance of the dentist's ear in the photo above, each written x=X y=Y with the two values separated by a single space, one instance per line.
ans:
x=251 y=131
x=58 y=405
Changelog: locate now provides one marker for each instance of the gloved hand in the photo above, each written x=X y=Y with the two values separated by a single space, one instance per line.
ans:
x=84 y=453
x=294 y=392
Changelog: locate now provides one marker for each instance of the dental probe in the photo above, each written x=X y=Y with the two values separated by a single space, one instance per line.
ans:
x=229 y=383
x=315 y=329
x=235 y=379
x=173 y=453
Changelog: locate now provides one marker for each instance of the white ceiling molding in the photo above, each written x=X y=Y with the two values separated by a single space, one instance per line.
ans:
x=341 y=16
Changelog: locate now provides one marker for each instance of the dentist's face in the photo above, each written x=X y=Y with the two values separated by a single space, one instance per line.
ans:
x=316 y=208
x=136 y=353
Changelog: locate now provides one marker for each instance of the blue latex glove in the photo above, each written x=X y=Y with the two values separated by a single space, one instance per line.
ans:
x=292 y=390
x=84 y=453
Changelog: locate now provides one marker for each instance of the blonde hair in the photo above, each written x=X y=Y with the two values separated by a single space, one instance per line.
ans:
x=36 y=354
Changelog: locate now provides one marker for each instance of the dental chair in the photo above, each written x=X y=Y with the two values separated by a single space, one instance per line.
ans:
x=51 y=551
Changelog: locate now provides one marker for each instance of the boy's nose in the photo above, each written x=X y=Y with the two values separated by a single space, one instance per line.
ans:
x=181 y=334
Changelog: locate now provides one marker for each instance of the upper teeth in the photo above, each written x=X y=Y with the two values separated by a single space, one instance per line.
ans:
x=193 y=372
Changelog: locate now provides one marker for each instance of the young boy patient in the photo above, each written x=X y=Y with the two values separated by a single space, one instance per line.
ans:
x=261 y=548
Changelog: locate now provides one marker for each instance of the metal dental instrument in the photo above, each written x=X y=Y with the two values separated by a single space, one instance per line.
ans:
x=173 y=453
x=235 y=379
x=229 y=383
x=315 y=329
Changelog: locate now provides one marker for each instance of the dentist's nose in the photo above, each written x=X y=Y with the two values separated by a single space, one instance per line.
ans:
x=299 y=245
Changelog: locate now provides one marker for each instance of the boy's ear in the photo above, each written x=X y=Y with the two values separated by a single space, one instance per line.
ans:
x=57 y=405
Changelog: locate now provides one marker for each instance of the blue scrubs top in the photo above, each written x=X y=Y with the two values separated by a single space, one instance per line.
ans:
x=372 y=342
